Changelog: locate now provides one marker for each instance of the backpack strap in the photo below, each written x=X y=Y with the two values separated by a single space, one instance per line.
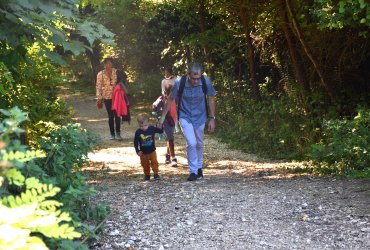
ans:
x=181 y=91
x=179 y=94
x=204 y=87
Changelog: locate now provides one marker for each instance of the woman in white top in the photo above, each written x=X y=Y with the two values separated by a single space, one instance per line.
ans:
x=168 y=81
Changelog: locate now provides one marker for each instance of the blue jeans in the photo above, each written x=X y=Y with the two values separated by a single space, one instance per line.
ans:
x=194 y=145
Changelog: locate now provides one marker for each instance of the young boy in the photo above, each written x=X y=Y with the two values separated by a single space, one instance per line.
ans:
x=145 y=146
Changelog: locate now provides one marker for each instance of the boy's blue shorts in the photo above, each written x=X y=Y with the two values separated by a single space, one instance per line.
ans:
x=168 y=130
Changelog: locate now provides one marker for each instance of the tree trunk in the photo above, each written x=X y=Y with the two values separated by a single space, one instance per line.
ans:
x=203 y=29
x=297 y=66
x=243 y=14
x=94 y=57
x=308 y=52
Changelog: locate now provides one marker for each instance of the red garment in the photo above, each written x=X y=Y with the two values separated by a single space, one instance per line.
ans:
x=173 y=110
x=118 y=101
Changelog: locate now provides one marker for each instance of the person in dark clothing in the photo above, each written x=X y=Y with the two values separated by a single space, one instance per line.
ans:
x=144 y=144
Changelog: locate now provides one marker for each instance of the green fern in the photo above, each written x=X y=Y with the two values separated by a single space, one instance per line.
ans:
x=15 y=177
x=31 y=212
x=35 y=191
x=23 y=156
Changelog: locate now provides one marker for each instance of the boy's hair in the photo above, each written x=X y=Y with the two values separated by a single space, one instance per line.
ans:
x=142 y=117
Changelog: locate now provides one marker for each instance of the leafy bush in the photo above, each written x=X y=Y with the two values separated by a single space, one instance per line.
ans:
x=31 y=212
x=147 y=87
x=272 y=128
x=345 y=146
x=56 y=162
x=67 y=148
x=33 y=88
x=28 y=212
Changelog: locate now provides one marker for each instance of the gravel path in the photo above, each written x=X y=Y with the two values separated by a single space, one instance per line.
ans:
x=242 y=203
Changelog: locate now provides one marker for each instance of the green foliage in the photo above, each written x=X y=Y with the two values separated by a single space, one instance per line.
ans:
x=147 y=87
x=28 y=213
x=9 y=128
x=41 y=215
x=273 y=128
x=52 y=23
x=33 y=90
x=41 y=34
x=54 y=198
x=343 y=13
x=345 y=146
x=11 y=123
x=67 y=148
x=32 y=212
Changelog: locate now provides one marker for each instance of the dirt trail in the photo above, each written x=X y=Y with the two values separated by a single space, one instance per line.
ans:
x=242 y=203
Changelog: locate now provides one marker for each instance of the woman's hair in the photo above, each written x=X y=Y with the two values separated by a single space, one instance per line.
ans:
x=121 y=76
x=142 y=117
x=169 y=69
x=107 y=59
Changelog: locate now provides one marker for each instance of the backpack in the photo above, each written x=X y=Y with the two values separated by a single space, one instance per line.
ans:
x=181 y=90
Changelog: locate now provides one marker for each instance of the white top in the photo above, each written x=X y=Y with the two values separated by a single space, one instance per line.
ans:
x=166 y=82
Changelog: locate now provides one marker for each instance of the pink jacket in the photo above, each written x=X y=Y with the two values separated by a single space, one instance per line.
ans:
x=118 y=101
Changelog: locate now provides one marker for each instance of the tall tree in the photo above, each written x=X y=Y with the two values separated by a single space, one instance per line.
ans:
x=292 y=48
x=203 y=28
x=245 y=18
x=308 y=52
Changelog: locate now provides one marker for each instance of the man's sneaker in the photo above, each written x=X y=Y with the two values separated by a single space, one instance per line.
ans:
x=118 y=137
x=146 y=177
x=200 y=173
x=156 y=177
x=192 y=177
x=112 y=137
x=174 y=162
x=168 y=159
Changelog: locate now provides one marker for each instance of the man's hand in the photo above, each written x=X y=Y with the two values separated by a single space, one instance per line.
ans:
x=140 y=153
x=211 y=125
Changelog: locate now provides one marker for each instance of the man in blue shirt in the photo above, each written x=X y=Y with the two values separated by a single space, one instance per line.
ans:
x=192 y=115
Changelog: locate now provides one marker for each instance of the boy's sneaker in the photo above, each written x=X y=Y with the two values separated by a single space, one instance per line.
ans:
x=168 y=159
x=200 y=173
x=112 y=137
x=174 y=162
x=192 y=177
x=146 y=177
x=118 y=137
x=156 y=177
